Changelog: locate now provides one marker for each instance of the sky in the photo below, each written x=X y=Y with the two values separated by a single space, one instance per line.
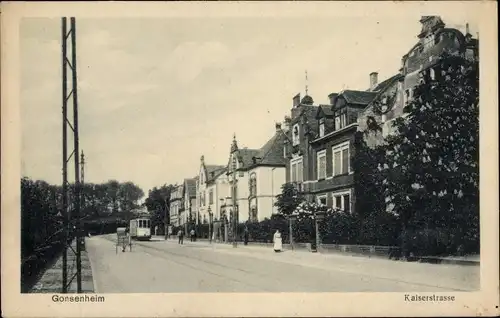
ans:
x=155 y=94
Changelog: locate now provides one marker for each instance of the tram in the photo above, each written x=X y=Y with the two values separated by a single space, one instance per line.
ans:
x=140 y=229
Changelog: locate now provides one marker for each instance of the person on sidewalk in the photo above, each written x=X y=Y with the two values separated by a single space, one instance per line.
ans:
x=278 y=246
x=180 y=234
x=192 y=235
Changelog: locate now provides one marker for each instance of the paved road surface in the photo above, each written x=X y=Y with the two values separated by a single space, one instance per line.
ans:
x=164 y=266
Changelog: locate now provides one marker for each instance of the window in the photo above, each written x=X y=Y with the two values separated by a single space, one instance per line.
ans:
x=296 y=135
x=253 y=184
x=321 y=127
x=341 y=160
x=322 y=199
x=432 y=74
x=398 y=93
x=408 y=95
x=296 y=170
x=347 y=203
x=342 y=201
x=321 y=164
x=340 y=118
x=254 y=214
x=211 y=197
x=284 y=152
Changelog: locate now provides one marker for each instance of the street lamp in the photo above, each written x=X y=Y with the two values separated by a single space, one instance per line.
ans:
x=210 y=224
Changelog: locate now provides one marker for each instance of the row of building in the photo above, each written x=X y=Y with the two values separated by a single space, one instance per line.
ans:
x=314 y=146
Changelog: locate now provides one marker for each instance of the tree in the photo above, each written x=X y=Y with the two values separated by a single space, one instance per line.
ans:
x=376 y=225
x=128 y=196
x=289 y=199
x=112 y=188
x=158 y=204
x=430 y=171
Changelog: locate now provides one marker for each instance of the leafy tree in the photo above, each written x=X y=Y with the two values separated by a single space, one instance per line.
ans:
x=289 y=199
x=128 y=196
x=158 y=204
x=376 y=225
x=430 y=171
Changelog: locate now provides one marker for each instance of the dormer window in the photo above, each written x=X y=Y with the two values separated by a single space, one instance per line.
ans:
x=321 y=127
x=296 y=135
x=340 y=118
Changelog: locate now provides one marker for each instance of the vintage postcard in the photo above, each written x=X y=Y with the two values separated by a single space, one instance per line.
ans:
x=189 y=159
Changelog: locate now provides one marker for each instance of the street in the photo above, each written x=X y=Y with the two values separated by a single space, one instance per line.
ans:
x=160 y=266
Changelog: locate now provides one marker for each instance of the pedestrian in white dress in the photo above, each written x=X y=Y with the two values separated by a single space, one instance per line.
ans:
x=278 y=246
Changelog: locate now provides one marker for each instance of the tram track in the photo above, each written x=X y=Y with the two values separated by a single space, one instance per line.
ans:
x=162 y=253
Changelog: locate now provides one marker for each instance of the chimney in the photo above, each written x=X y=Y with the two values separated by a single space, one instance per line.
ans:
x=332 y=98
x=278 y=127
x=373 y=80
x=296 y=100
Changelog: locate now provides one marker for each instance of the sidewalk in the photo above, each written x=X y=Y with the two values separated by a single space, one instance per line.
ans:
x=449 y=276
x=51 y=280
x=473 y=260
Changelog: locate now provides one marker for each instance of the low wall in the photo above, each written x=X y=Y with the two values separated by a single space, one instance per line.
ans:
x=364 y=250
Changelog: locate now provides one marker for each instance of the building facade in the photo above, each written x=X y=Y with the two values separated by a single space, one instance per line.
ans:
x=421 y=61
x=258 y=175
x=320 y=141
x=211 y=179
x=177 y=206
x=321 y=144
x=190 y=206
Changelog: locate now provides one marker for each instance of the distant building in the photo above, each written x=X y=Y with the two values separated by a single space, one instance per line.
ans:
x=177 y=205
x=321 y=144
x=190 y=206
x=260 y=174
x=212 y=186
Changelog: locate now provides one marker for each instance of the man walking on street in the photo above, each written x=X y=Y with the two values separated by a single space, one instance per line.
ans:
x=180 y=234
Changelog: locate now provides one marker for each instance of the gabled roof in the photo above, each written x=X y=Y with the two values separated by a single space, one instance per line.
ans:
x=387 y=85
x=246 y=155
x=358 y=97
x=326 y=110
x=217 y=170
x=382 y=85
x=272 y=152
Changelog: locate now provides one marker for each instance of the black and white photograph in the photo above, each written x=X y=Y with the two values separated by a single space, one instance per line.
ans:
x=240 y=154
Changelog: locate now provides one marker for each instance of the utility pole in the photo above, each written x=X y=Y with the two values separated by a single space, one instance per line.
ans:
x=66 y=96
x=235 y=206
x=82 y=178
